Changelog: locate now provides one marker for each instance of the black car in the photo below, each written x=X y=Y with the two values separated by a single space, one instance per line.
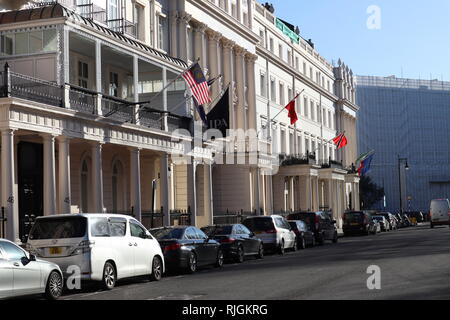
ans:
x=236 y=241
x=188 y=248
x=390 y=218
x=356 y=222
x=305 y=237
x=320 y=223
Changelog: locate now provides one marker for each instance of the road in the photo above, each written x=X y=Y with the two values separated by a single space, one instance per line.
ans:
x=414 y=262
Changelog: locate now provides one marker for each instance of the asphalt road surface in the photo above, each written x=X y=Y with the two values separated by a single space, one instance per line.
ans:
x=414 y=263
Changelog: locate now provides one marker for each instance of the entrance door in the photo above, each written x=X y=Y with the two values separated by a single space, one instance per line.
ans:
x=30 y=181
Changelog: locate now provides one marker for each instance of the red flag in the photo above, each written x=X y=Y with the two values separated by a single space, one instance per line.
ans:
x=291 y=111
x=340 y=141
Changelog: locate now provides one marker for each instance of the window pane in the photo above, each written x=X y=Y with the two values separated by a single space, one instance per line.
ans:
x=137 y=231
x=118 y=228
x=21 y=43
x=13 y=252
x=59 y=228
x=100 y=227
x=36 y=42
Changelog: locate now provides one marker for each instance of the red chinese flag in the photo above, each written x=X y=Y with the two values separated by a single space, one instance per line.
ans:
x=291 y=112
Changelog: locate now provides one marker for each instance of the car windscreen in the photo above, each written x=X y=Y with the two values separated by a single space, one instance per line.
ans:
x=59 y=228
x=378 y=218
x=259 y=224
x=353 y=217
x=218 y=230
x=167 y=234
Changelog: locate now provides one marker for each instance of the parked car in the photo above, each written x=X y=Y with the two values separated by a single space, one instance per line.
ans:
x=22 y=274
x=275 y=232
x=236 y=241
x=439 y=212
x=390 y=219
x=384 y=224
x=374 y=226
x=106 y=247
x=401 y=223
x=416 y=216
x=320 y=223
x=406 y=221
x=356 y=222
x=188 y=248
x=305 y=237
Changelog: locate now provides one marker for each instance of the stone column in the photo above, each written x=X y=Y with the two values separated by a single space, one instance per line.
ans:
x=164 y=188
x=64 y=191
x=173 y=20
x=208 y=192
x=135 y=182
x=199 y=41
x=250 y=60
x=240 y=85
x=7 y=189
x=192 y=190
x=269 y=187
x=135 y=118
x=213 y=47
x=292 y=193
x=227 y=46
x=98 y=75
x=183 y=22
x=49 y=191
x=97 y=177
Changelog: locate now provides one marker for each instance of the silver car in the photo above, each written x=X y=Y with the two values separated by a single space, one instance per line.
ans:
x=21 y=274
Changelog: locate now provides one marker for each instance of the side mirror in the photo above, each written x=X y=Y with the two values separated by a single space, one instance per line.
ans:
x=32 y=257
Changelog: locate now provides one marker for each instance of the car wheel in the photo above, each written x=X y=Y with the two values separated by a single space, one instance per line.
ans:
x=302 y=243
x=281 y=248
x=219 y=261
x=157 y=269
x=335 y=239
x=240 y=255
x=431 y=225
x=295 y=246
x=54 y=286
x=109 y=276
x=260 y=254
x=192 y=263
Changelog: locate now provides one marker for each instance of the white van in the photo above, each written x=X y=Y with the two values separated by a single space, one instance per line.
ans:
x=439 y=212
x=105 y=247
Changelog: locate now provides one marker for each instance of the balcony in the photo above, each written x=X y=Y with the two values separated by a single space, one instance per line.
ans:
x=293 y=160
x=86 y=101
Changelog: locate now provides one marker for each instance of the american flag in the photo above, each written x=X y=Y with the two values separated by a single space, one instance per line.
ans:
x=198 y=84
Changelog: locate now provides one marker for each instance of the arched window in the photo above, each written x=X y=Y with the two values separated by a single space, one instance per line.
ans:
x=84 y=186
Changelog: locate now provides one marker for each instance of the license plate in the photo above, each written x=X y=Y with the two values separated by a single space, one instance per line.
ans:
x=56 y=250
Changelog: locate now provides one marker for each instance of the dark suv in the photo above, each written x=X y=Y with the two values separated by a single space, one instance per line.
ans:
x=356 y=222
x=320 y=223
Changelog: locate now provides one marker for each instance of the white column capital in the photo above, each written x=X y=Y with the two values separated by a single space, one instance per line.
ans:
x=228 y=44
x=200 y=27
x=213 y=35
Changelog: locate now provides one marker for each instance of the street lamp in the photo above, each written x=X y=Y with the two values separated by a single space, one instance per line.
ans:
x=400 y=179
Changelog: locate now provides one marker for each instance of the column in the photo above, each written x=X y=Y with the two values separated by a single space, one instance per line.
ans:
x=135 y=182
x=192 y=190
x=7 y=189
x=240 y=84
x=256 y=188
x=227 y=46
x=173 y=20
x=330 y=195
x=49 y=192
x=164 y=188
x=183 y=22
x=250 y=60
x=358 y=203
x=64 y=175
x=97 y=177
x=199 y=41
x=98 y=75
x=213 y=47
x=135 y=118
x=292 y=193
x=165 y=125
x=208 y=192
x=269 y=186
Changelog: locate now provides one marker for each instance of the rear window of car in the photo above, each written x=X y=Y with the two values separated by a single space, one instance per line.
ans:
x=354 y=217
x=59 y=228
x=166 y=234
x=378 y=218
x=259 y=224
x=219 y=230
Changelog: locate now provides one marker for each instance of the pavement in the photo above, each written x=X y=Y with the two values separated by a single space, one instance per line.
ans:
x=414 y=264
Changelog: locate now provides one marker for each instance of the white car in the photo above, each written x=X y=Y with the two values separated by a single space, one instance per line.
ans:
x=21 y=274
x=274 y=231
x=99 y=247
x=439 y=212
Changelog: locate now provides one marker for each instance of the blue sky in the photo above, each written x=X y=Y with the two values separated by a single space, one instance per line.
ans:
x=414 y=37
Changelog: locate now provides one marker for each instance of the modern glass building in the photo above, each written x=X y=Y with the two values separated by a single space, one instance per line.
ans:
x=407 y=123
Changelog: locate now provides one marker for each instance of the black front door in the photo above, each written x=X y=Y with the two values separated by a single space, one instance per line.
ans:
x=30 y=183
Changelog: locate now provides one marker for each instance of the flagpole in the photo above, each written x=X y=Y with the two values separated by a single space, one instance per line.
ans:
x=167 y=85
x=271 y=120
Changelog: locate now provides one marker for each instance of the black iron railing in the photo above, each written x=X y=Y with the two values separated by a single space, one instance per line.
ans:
x=298 y=159
x=234 y=217
x=3 y=220
x=327 y=164
x=86 y=101
x=180 y=217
